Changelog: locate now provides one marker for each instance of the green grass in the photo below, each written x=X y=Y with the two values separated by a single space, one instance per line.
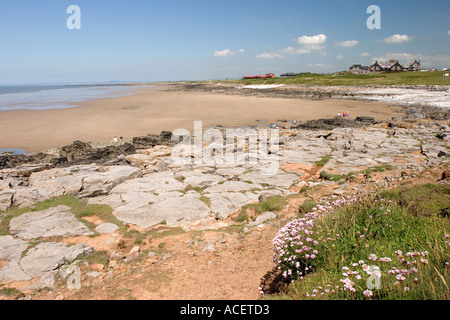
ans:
x=8 y=291
x=77 y=207
x=275 y=204
x=381 y=224
x=345 y=78
x=382 y=168
x=331 y=177
x=307 y=206
x=323 y=161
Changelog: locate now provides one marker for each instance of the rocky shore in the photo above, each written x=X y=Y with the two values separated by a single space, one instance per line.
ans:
x=147 y=192
x=403 y=95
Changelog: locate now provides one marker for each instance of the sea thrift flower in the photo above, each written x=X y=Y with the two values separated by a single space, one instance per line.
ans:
x=400 y=277
x=372 y=257
x=368 y=293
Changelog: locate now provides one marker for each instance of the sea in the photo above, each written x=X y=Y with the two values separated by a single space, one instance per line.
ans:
x=45 y=97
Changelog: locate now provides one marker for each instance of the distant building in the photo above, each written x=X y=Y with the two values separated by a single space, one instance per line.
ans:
x=414 y=66
x=359 y=69
x=265 y=76
x=289 y=75
x=385 y=66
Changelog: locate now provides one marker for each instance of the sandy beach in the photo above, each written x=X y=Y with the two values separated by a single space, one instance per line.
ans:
x=153 y=109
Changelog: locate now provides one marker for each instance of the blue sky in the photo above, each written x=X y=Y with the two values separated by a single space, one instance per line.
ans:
x=149 y=40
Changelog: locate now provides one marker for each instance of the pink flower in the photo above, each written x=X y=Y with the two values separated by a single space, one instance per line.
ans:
x=373 y=257
x=400 y=277
x=368 y=293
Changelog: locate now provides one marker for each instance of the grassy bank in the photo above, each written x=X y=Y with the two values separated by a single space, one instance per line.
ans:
x=350 y=79
x=390 y=246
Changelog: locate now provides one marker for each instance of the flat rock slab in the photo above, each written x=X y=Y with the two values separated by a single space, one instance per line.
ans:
x=281 y=180
x=223 y=204
x=56 y=221
x=11 y=251
x=176 y=210
x=233 y=186
x=106 y=228
x=152 y=183
x=84 y=180
x=49 y=256
x=197 y=178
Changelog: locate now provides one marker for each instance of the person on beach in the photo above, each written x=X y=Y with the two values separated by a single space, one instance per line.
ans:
x=115 y=140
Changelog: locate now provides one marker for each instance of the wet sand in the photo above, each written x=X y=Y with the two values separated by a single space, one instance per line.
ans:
x=153 y=109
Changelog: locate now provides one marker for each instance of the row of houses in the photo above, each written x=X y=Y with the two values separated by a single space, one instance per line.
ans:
x=387 y=66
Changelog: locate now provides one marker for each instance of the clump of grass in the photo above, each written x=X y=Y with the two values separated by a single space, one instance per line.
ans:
x=205 y=200
x=331 y=177
x=425 y=200
x=275 y=204
x=97 y=257
x=307 y=206
x=8 y=292
x=342 y=248
x=322 y=162
x=305 y=189
x=189 y=188
x=383 y=168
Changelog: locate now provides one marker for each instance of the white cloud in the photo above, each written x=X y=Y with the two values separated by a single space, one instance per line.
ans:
x=319 y=65
x=398 y=38
x=347 y=44
x=448 y=32
x=223 y=53
x=305 y=49
x=241 y=50
x=365 y=54
x=339 y=57
x=267 y=55
x=313 y=40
